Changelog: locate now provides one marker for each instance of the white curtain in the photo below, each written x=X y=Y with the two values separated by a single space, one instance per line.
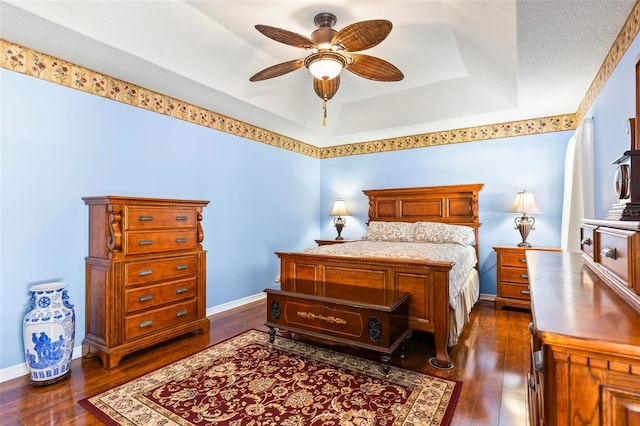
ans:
x=579 y=187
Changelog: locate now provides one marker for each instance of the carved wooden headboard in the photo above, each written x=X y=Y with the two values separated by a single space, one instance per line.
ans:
x=453 y=204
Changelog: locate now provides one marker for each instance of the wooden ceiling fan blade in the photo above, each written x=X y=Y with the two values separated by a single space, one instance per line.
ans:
x=374 y=68
x=286 y=37
x=326 y=88
x=363 y=35
x=278 y=70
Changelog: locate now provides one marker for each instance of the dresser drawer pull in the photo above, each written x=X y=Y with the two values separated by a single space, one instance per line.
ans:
x=145 y=242
x=522 y=260
x=181 y=218
x=182 y=266
x=538 y=361
x=532 y=382
x=586 y=242
x=609 y=252
x=181 y=240
x=182 y=290
x=144 y=324
x=525 y=292
x=145 y=218
x=531 y=327
x=145 y=272
x=145 y=298
x=525 y=276
x=181 y=313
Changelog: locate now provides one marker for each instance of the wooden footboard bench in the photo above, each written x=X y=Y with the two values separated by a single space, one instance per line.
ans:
x=427 y=283
x=376 y=320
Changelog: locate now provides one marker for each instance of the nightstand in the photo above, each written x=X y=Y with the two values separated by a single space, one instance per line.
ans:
x=513 y=278
x=327 y=242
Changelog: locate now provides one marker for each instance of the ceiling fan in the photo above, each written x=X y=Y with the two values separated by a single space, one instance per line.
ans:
x=330 y=51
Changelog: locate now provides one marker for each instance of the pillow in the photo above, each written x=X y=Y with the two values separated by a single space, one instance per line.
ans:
x=432 y=232
x=389 y=231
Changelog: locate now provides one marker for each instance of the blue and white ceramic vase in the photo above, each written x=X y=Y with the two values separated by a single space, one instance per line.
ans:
x=49 y=331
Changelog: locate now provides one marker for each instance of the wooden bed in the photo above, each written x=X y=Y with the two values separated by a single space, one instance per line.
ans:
x=426 y=281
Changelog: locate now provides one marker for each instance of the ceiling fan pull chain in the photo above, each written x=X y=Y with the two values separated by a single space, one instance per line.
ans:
x=324 y=113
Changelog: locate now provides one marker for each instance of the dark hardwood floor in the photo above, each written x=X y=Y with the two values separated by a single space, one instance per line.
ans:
x=492 y=359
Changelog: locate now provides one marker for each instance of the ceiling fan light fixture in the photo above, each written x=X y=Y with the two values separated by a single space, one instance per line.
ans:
x=330 y=51
x=325 y=65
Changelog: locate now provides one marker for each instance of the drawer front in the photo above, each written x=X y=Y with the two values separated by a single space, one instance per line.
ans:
x=159 y=241
x=587 y=240
x=159 y=218
x=146 y=297
x=517 y=260
x=516 y=275
x=614 y=251
x=515 y=291
x=159 y=270
x=148 y=322
x=327 y=319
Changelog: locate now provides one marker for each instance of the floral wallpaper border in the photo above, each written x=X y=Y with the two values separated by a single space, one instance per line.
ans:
x=470 y=134
x=618 y=49
x=40 y=65
x=532 y=126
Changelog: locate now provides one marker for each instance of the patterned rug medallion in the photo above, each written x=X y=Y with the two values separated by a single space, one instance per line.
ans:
x=247 y=381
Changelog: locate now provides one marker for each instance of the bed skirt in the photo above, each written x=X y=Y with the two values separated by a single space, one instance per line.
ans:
x=467 y=298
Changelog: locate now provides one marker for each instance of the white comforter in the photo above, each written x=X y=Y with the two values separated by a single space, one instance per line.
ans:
x=464 y=257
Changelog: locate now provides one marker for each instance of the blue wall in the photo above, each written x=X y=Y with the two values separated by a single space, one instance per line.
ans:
x=505 y=166
x=58 y=145
x=611 y=111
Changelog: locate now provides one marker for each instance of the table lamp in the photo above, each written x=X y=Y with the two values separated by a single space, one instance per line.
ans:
x=524 y=203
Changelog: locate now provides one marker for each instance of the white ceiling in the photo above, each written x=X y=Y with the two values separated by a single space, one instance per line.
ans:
x=466 y=63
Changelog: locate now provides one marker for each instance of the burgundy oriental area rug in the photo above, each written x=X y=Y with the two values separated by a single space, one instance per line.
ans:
x=248 y=381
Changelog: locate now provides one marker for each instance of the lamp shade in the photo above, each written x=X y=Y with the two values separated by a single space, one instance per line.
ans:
x=325 y=65
x=339 y=208
x=524 y=203
x=325 y=69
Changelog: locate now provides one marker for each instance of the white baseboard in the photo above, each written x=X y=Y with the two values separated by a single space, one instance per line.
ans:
x=22 y=370
x=235 y=304
x=489 y=297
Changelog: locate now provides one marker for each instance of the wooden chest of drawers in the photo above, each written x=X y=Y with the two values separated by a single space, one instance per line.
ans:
x=145 y=273
x=513 y=279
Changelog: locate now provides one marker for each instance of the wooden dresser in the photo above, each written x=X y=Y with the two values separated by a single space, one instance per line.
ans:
x=145 y=274
x=585 y=340
x=513 y=281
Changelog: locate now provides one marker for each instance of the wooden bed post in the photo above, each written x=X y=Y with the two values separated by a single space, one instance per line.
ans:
x=442 y=313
